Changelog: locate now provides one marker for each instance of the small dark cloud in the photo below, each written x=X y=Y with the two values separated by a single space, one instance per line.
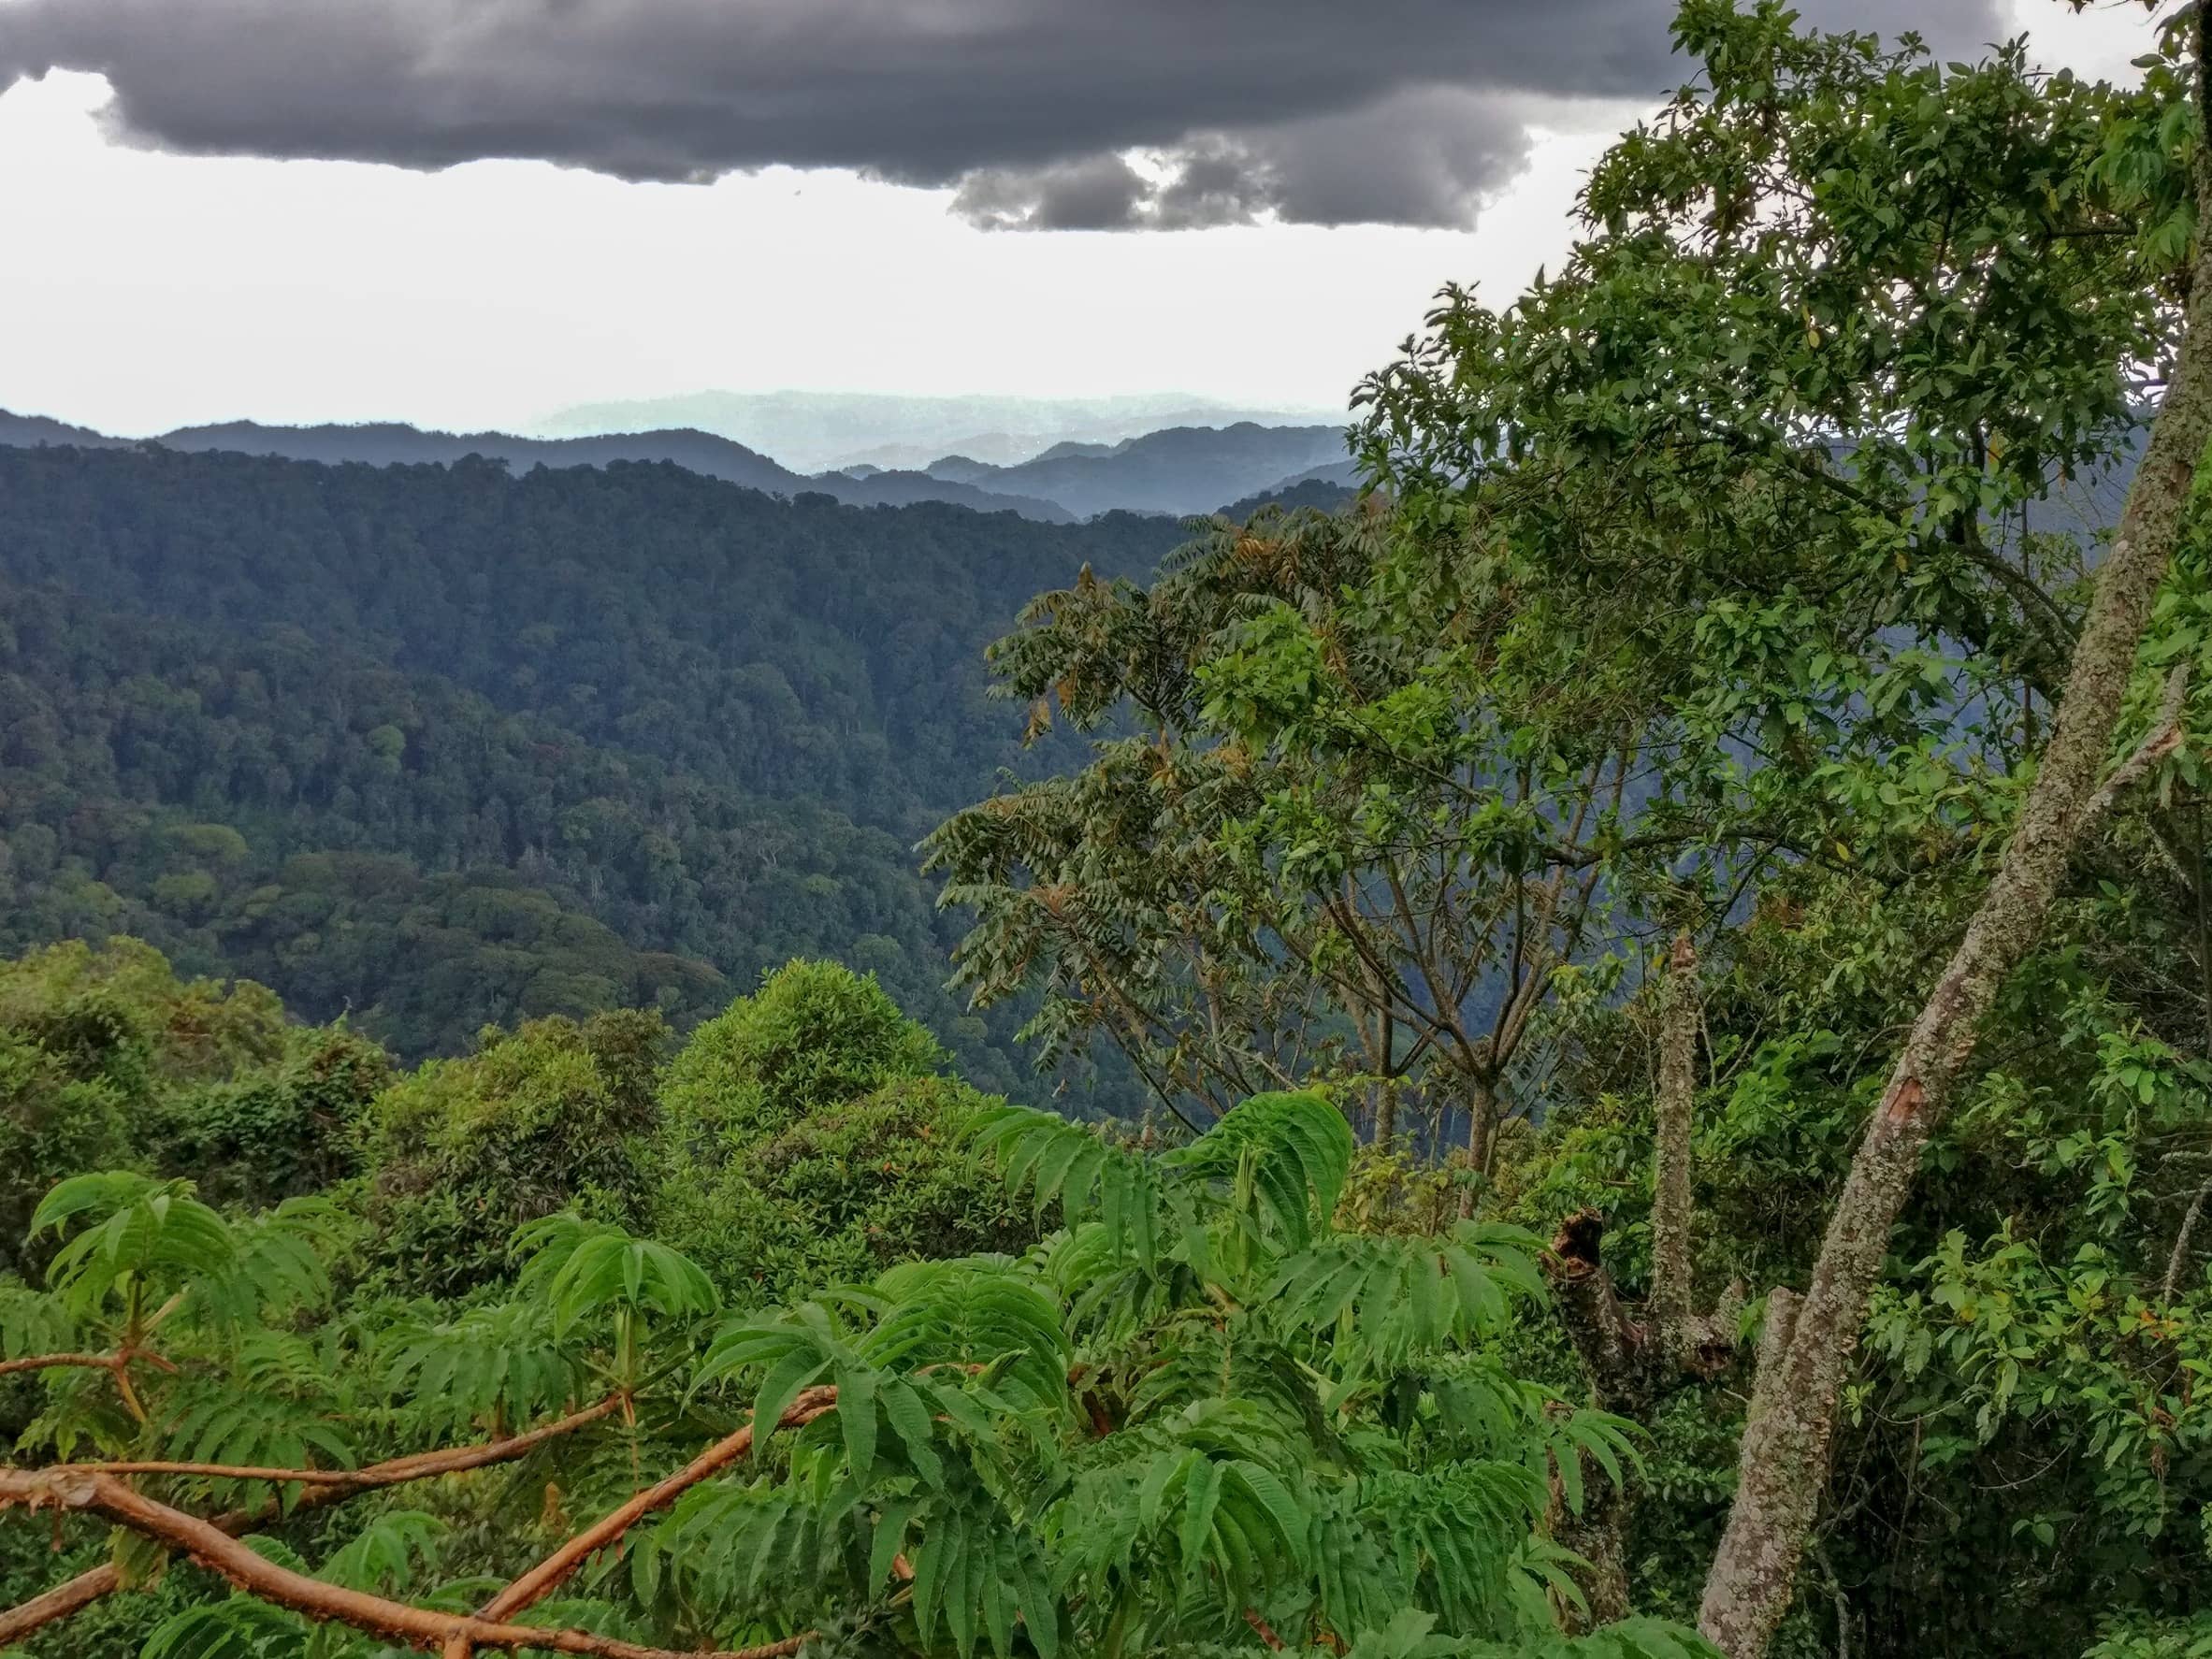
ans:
x=1098 y=193
x=1323 y=111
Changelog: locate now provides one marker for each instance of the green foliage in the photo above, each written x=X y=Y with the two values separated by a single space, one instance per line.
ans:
x=580 y=1271
x=137 y=1236
x=806 y=1137
x=815 y=1034
x=440 y=748
x=1001 y=1467
x=1225 y=1446
x=462 y=1152
x=108 y=1059
x=1306 y=861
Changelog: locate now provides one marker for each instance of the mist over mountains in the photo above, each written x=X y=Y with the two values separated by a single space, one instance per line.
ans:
x=818 y=431
x=1177 y=470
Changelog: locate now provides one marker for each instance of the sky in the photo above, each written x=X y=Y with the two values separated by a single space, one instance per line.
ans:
x=471 y=213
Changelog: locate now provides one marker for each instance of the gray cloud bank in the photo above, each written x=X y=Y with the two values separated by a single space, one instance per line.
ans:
x=1317 y=112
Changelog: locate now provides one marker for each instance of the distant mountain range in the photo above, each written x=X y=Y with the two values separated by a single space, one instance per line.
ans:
x=1184 y=469
x=1181 y=470
x=819 y=431
x=30 y=431
x=387 y=445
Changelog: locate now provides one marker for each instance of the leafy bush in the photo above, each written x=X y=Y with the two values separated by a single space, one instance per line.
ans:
x=813 y=1035
x=462 y=1152
x=807 y=1138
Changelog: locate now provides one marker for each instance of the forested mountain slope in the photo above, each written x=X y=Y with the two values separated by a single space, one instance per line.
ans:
x=448 y=746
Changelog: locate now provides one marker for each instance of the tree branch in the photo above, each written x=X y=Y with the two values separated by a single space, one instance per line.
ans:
x=74 y=1595
x=543 y=1578
x=112 y=1499
x=2180 y=1258
x=1265 y=1631
x=42 y=1361
x=1615 y=1349
x=2163 y=738
x=114 y=1363
x=65 y=1600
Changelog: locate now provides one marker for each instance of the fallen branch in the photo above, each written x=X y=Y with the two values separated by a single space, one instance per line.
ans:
x=73 y=1596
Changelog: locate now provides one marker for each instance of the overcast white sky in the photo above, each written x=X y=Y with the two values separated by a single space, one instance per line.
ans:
x=143 y=289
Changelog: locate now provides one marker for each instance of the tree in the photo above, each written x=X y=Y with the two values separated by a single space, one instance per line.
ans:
x=1791 y=1426
x=1309 y=861
x=460 y=1153
x=94 y=1045
x=1773 y=437
x=806 y=1136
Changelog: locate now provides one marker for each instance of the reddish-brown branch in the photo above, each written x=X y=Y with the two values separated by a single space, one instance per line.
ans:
x=399 y=1471
x=1266 y=1631
x=41 y=1361
x=65 y=1600
x=543 y=1578
x=114 y=1363
x=117 y=1364
x=75 y=1595
x=112 y=1499
x=789 y=1645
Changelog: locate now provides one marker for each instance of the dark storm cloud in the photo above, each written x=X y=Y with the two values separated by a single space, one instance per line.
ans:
x=1323 y=111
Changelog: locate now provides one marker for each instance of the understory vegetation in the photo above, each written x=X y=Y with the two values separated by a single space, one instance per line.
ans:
x=1654 y=977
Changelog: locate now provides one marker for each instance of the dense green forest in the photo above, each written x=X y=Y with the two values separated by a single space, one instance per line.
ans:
x=1664 y=953
x=449 y=749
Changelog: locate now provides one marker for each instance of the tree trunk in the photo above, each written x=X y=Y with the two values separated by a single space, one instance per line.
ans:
x=1679 y=1011
x=1482 y=1125
x=1600 y=1534
x=1386 y=1114
x=1627 y=1369
x=1632 y=1362
x=1789 y=1435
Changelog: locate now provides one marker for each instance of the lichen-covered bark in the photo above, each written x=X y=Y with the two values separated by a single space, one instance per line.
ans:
x=1600 y=1534
x=1671 y=1158
x=1789 y=1436
x=1624 y=1366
